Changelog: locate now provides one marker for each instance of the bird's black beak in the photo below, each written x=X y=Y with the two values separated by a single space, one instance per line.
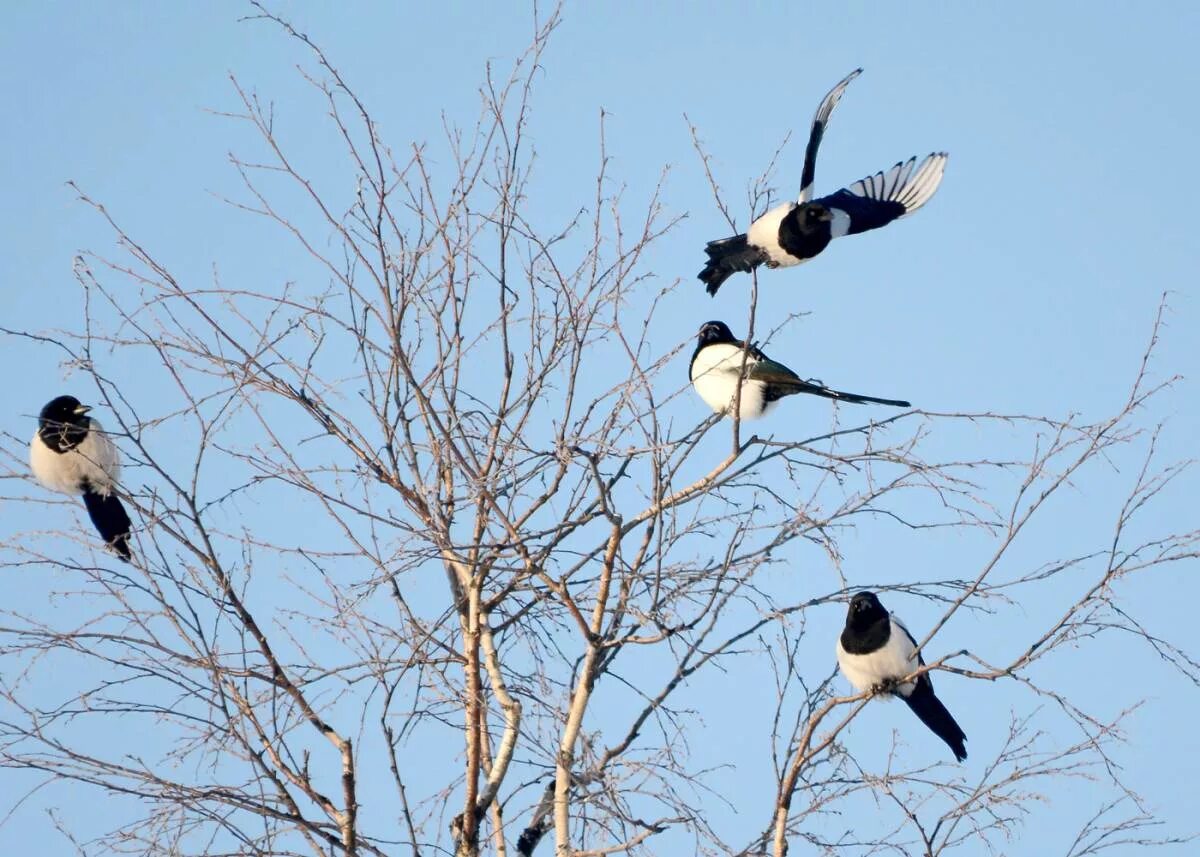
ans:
x=82 y=409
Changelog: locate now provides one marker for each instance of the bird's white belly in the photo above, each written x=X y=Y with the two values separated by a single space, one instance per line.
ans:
x=764 y=234
x=890 y=662
x=93 y=462
x=714 y=374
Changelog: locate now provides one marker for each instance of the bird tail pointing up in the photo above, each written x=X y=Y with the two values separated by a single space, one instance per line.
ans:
x=726 y=257
x=934 y=715
x=111 y=521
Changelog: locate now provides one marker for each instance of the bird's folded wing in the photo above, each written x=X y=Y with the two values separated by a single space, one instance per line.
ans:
x=770 y=372
x=920 y=657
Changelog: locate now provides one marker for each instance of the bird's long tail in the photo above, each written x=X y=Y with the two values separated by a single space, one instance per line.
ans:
x=933 y=714
x=816 y=389
x=111 y=521
x=726 y=257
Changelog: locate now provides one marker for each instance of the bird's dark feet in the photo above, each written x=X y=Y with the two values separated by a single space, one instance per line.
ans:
x=888 y=685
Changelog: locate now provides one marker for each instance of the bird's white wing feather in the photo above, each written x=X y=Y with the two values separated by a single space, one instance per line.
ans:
x=820 y=120
x=911 y=188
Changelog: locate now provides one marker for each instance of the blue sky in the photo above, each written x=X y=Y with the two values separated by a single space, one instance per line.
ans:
x=1028 y=285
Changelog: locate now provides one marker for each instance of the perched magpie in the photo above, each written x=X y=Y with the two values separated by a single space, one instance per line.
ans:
x=875 y=651
x=71 y=454
x=794 y=232
x=718 y=360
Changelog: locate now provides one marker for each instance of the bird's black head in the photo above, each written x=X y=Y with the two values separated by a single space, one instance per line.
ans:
x=65 y=410
x=816 y=214
x=63 y=422
x=865 y=610
x=714 y=332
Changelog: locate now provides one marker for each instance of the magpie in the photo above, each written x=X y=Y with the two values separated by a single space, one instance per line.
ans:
x=875 y=651
x=795 y=232
x=718 y=361
x=71 y=454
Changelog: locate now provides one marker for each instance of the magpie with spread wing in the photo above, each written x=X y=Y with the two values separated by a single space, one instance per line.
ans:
x=795 y=232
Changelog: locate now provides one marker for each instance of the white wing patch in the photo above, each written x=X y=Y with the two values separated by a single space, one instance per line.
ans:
x=902 y=184
x=840 y=224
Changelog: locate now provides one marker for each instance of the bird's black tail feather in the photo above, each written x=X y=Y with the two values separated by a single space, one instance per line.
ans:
x=934 y=715
x=854 y=398
x=726 y=257
x=111 y=521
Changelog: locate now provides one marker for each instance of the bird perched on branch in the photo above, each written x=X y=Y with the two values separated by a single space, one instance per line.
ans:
x=720 y=359
x=876 y=651
x=795 y=232
x=71 y=454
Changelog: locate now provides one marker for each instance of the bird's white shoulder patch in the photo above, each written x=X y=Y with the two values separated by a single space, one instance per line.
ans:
x=715 y=373
x=764 y=234
x=841 y=223
x=93 y=462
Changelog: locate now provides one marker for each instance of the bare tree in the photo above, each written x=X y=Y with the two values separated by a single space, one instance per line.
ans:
x=433 y=500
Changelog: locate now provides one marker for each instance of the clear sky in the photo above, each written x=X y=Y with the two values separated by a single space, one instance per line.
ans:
x=1028 y=285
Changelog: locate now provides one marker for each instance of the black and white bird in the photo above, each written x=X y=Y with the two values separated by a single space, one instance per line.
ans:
x=71 y=454
x=719 y=360
x=795 y=232
x=875 y=651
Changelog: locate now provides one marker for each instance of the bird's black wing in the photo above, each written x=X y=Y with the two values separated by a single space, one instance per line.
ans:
x=879 y=199
x=111 y=521
x=820 y=121
x=778 y=379
x=782 y=381
x=925 y=704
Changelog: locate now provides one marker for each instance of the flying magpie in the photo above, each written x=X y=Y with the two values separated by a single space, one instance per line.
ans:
x=71 y=454
x=718 y=360
x=795 y=232
x=875 y=651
